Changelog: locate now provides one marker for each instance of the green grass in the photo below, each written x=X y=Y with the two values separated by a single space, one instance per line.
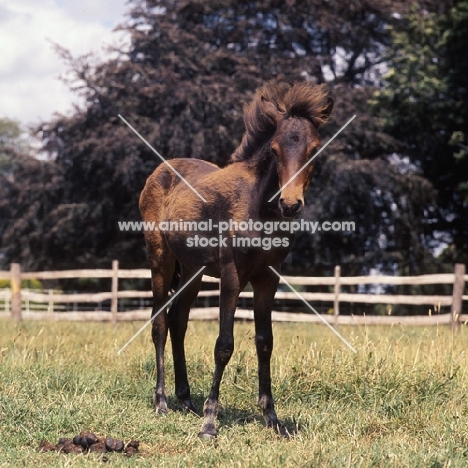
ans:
x=401 y=401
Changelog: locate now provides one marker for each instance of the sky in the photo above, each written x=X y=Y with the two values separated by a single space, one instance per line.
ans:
x=30 y=88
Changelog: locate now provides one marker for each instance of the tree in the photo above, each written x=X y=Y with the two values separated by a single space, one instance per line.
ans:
x=10 y=143
x=14 y=156
x=423 y=106
x=457 y=71
x=181 y=82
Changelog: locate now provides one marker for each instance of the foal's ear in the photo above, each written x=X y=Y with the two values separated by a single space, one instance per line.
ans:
x=270 y=110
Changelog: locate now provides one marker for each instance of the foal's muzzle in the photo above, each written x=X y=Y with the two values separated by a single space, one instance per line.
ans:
x=290 y=210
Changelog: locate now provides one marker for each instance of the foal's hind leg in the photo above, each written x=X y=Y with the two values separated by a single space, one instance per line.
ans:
x=178 y=318
x=264 y=293
x=160 y=284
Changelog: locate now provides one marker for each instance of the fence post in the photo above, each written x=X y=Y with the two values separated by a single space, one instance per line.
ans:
x=15 y=284
x=115 y=291
x=457 y=296
x=50 y=309
x=336 y=302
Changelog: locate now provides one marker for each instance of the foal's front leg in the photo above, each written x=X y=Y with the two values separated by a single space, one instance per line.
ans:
x=229 y=292
x=264 y=288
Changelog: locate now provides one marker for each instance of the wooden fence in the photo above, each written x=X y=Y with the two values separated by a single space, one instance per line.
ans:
x=15 y=295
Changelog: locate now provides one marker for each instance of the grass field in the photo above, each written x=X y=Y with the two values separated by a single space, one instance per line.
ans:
x=401 y=401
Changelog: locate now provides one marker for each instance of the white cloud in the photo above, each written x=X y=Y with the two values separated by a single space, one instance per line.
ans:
x=30 y=89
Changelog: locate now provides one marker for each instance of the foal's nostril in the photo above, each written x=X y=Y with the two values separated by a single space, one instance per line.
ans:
x=296 y=207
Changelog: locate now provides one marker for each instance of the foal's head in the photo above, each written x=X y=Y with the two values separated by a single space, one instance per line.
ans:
x=297 y=116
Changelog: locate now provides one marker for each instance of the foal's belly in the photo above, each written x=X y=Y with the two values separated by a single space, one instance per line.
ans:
x=249 y=252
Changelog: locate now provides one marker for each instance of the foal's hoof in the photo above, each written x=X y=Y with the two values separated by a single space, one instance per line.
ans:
x=206 y=436
x=207 y=432
x=188 y=406
x=160 y=405
x=280 y=429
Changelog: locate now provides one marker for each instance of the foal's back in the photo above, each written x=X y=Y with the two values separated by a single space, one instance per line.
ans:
x=166 y=195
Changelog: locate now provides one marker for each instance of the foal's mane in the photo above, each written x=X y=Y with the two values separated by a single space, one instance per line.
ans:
x=297 y=100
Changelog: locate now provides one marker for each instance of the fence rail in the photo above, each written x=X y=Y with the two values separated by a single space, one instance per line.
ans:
x=15 y=295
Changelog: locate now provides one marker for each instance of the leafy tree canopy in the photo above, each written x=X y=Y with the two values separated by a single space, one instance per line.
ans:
x=10 y=142
x=423 y=105
x=181 y=82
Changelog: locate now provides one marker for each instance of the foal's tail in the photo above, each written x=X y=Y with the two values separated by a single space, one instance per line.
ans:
x=175 y=283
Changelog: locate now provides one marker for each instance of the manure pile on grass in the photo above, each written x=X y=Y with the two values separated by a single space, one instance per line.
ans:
x=86 y=441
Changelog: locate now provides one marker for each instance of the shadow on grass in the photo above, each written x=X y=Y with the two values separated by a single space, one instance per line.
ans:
x=228 y=417
x=231 y=417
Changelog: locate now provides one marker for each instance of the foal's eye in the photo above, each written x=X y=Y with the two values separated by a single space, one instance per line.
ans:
x=314 y=150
